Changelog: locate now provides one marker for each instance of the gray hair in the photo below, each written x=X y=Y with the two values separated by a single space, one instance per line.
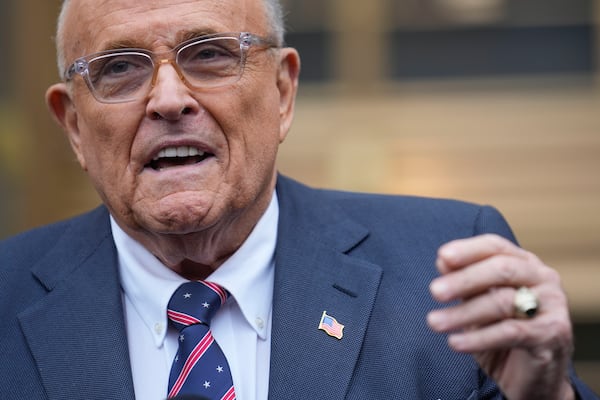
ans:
x=273 y=9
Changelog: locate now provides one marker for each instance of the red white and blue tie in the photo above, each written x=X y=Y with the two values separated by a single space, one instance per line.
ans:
x=200 y=367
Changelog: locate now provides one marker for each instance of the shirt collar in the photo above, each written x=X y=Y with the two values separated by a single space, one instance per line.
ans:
x=248 y=275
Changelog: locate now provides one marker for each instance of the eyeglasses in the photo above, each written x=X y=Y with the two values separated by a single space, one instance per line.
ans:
x=119 y=76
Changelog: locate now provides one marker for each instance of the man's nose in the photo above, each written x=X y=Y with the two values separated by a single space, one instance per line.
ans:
x=170 y=97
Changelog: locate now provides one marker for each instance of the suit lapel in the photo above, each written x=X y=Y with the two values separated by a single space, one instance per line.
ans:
x=314 y=273
x=76 y=333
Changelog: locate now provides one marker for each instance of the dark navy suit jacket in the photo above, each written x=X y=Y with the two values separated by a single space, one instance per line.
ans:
x=365 y=259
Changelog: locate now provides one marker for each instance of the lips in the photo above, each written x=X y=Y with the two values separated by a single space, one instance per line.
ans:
x=176 y=156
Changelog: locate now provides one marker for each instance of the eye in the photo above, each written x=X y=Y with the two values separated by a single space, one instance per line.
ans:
x=210 y=53
x=119 y=66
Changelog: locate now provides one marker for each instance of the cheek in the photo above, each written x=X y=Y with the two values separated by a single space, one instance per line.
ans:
x=254 y=148
x=249 y=123
x=106 y=138
x=260 y=119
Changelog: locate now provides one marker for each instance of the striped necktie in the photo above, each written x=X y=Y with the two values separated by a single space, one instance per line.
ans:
x=200 y=367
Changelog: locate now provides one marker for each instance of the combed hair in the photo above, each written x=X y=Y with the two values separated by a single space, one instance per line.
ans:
x=273 y=10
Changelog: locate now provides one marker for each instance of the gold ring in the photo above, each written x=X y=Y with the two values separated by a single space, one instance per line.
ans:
x=526 y=303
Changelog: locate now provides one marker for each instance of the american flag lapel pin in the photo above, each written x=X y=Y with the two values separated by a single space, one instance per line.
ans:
x=331 y=326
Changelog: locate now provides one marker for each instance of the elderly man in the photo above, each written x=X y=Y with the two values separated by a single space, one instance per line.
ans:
x=175 y=109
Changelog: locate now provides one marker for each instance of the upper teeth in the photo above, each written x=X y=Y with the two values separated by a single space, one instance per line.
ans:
x=181 y=151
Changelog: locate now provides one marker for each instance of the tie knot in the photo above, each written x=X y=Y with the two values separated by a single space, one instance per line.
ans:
x=195 y=303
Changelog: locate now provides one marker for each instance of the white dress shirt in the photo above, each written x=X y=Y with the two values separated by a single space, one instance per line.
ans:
x=242 y=327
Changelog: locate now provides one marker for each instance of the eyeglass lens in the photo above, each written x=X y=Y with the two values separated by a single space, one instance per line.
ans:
x=207 y=63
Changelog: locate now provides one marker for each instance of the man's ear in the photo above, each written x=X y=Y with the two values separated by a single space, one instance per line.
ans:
x=63 y=110
x=287 y=82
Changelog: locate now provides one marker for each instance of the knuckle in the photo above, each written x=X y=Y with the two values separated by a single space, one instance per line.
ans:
x=504 y=269
x=501 y=300
x=551 y=275
x=531 y=257
x=547 y=273
x=497 y=243
x=559 y=338
x=517 y=331
x=562 y=330
x=553 y=329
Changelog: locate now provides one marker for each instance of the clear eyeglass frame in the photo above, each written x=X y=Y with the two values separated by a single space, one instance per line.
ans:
x=152 y=61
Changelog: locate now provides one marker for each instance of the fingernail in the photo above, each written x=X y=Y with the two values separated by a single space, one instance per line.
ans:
x=439 y=290
x=441 y=266
x=457 y=342
x=448 y=253
x=435 y=319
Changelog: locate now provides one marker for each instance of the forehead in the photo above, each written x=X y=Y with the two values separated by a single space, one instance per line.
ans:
x=96 y=25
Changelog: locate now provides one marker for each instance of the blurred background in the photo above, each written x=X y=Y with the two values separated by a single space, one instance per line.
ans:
x=492 y=101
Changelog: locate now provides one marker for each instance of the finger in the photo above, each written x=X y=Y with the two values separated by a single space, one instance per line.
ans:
x=492 y=325
x=495 y=271
x=548 y=332
x=505 y=334
x=459 y=253
x=481 y=310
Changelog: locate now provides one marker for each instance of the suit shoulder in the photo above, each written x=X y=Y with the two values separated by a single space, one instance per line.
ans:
x=397 y=201
x=414 y=211
x=374 y=200
x=27 y=247
x=412 y=207
x=401 y=212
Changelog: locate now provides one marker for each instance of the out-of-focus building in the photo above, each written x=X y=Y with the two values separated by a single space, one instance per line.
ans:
x=493 y=101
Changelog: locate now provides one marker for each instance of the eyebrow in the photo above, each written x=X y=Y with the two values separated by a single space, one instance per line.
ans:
x=188 y=35
x=181 y=37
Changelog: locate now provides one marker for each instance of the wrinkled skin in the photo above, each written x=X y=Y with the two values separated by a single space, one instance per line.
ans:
x=528 y=358
x=191 y=217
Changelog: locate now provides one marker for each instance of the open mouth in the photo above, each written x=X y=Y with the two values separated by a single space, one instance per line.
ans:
x=170 y=157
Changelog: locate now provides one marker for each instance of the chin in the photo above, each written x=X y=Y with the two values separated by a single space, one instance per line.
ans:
x=175 y=227
x=175 y=216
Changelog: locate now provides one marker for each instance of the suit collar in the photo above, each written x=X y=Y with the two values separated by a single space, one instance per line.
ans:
x=80 y=240
x=76 y=332
x=314 y=273
x=304 y=211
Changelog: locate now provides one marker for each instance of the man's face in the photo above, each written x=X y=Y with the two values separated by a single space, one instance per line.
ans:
x=238 y=127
